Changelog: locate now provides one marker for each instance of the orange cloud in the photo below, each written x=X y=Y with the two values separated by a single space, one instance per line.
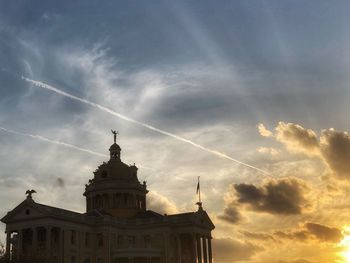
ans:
x=264 y=131
x=332 y=147
x=297 y=139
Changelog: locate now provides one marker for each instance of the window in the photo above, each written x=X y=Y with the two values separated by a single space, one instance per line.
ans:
x=73 y=237
x=120 y=241
x=99 y=240
x=87 y=239
x=147 y=240
x=131 y=241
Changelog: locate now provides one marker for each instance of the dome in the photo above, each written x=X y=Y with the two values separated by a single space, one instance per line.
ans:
x=114 y=147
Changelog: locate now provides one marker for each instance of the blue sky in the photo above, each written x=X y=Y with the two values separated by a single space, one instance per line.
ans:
x=207 y=71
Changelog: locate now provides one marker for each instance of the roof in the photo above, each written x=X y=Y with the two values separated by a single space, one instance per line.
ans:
x=146 y=218
x=147 y=214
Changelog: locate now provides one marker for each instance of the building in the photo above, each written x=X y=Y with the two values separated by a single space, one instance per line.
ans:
x=116 y=227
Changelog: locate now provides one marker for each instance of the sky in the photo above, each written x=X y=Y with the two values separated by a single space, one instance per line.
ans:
x=252 y=96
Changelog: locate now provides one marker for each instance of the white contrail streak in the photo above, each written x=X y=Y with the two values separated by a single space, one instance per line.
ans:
x=121 y=116
x=45 y=139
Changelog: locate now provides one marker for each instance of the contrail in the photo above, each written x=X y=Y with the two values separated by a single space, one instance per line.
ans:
x=121 y=116
x=45 y=139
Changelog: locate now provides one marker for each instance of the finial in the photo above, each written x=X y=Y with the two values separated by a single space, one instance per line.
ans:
x=200 y=207
x=29 y=193
x=115 y=133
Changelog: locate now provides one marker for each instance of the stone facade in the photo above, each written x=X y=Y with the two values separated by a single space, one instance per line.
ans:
x=116 y=227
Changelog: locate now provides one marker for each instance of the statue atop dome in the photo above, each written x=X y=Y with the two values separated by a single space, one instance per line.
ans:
x=115 y=133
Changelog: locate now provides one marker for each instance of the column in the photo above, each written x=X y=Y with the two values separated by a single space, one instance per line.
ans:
x=20 y=243
x=35 y=241
x=108 y=246
x=205 y=253
x=194 y=248
x=111 y=200
x=166 y=247
x=8 y=245
x=178 y=240
x=209 y=250
x=143 y=203
x=48 y=242
x=62 y=243
x=199 y=249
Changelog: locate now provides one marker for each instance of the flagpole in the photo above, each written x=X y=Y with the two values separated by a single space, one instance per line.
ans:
x=199 y=203
x=199 y=190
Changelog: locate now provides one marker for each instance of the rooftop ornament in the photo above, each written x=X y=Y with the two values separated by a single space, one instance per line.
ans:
x=29 y=193
x=115 y=133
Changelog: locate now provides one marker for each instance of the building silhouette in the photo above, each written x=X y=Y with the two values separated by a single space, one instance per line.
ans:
x=116 y=227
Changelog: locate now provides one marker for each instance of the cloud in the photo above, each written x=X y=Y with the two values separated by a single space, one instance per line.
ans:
x=160 y=203
x=42 y=85
x=231 y=250
x=332 y=147
x=231 y=214
x=321 y=233
x=299 y=235
x=295 y=261
x=264 y=131
x=324 y=233
x=283 y=196
x=335 y=149
x=258 y=236
x=60 y=182
x=296 y=138
x=268 y=150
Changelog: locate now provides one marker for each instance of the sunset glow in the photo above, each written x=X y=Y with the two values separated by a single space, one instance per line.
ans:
x=345 y=245
x=252 y=97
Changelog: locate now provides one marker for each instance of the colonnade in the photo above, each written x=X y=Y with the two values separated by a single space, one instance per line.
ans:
x=33 y=242
x=203 y=249
x=116 y=200
x=194 y=248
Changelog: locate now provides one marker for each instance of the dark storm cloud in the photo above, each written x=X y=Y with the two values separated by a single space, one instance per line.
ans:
x=284 y=196
x=230 y=250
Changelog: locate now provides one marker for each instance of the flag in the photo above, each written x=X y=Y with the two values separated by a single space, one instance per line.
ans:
x=197 y=186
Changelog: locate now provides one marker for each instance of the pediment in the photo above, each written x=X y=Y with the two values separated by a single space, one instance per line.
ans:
x=204 y=220
x=26 y=210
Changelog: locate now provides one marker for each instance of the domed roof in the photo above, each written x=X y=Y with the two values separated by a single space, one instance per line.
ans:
x=114 y=147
